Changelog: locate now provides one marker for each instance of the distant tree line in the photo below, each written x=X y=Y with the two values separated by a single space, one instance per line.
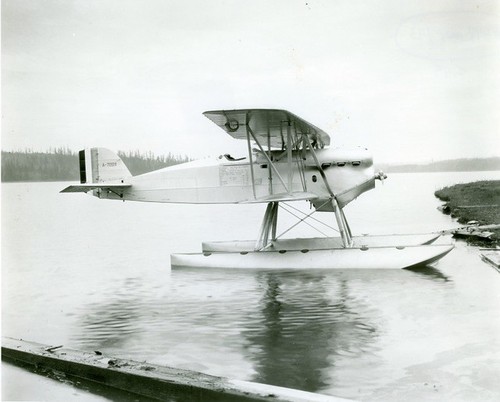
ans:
x=61 y=164
x=453 y=165
x=139 y=163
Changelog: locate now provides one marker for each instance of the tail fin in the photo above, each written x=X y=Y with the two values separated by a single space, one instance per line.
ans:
x=100 y=165
x=103 y=173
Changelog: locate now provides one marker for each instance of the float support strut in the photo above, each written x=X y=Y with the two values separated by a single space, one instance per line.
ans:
x=268 y=227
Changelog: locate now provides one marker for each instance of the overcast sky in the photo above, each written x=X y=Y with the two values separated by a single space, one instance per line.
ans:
x=410 y=80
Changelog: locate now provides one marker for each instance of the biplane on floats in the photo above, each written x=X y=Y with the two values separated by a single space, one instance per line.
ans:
x=288 y=160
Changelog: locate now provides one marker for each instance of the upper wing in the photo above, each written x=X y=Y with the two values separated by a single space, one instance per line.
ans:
x=83 y=188
x=266 y=124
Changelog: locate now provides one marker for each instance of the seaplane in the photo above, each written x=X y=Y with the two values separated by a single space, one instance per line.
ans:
x=288 y=160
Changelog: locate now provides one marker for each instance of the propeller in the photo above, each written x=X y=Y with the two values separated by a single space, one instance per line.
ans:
x=381 y=176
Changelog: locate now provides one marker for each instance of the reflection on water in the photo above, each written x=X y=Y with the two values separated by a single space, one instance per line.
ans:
x=430 y=272
x=113 y=324
x=294 y=329
x=289 y=326
x=303 y=327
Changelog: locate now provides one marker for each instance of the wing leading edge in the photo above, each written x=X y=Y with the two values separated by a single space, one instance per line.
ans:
x=267 y=125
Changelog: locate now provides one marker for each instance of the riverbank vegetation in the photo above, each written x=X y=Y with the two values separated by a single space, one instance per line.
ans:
x=61 y=164
x=477 y=201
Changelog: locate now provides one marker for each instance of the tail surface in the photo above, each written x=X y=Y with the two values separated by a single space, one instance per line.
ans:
x=100 y=165
x=103 y=171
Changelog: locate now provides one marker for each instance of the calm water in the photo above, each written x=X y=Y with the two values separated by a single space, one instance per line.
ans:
x=95 y=274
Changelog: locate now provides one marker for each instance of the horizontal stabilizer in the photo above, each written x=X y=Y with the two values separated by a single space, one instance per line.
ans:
x=83 y=188
x=281 y=197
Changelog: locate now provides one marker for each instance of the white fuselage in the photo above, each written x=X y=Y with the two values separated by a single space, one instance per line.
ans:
x=223 y=180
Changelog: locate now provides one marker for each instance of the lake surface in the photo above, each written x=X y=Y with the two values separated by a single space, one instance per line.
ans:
x=95 y=274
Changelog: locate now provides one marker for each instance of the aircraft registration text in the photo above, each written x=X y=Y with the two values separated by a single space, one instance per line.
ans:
x=234 y=175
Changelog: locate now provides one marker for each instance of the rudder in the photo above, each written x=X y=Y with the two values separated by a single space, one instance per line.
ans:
x=100 y=165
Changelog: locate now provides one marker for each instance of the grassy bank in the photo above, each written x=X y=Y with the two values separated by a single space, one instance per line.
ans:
x=478 y=201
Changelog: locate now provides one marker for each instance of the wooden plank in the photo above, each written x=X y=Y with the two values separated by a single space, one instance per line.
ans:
x=149 y=380
x=478 y=206
x=492 y=257
x=471 y=227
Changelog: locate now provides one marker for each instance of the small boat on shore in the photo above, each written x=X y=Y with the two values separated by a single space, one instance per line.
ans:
x=473 y=229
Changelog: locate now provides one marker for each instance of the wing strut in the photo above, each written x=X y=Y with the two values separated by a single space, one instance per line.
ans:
x=289 y=153
x=345 y=231
x=251 y=162
x=271 y=164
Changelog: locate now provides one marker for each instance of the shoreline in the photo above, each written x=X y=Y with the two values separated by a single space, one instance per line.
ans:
x=476 y=201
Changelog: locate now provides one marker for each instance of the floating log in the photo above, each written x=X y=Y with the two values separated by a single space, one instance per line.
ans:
x=492 y=257
x=144 y=379
x=473 y=230
x=478 y=206
x=489 y=227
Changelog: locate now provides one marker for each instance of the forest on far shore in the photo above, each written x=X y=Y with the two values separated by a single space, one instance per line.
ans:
x=61 y=164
